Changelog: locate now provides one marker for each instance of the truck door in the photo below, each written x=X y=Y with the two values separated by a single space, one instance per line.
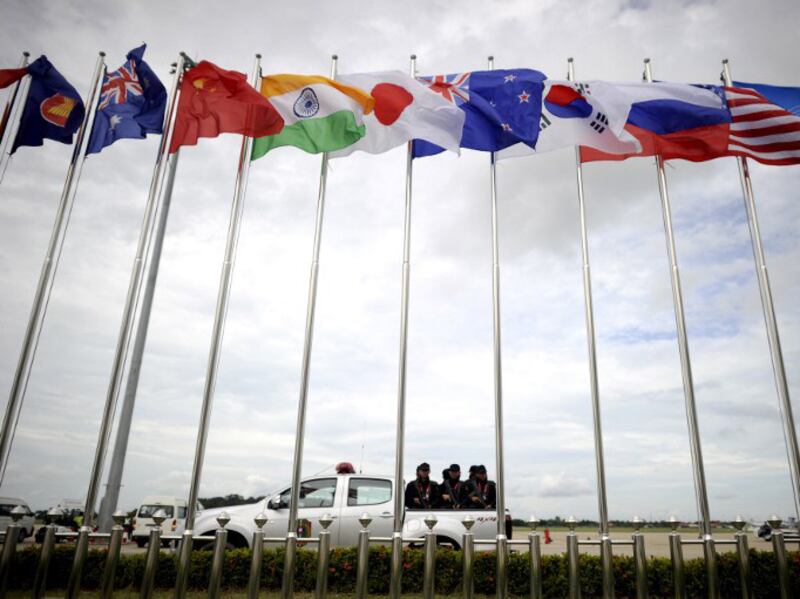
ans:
x=370 y=495
x=317 y=497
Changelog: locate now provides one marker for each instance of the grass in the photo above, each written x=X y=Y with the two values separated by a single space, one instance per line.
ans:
x=163 y=594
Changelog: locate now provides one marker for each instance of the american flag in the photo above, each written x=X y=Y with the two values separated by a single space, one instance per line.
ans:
x=119 y=84
x=762 y=130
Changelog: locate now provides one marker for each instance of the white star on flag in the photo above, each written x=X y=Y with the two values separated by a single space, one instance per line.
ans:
x=524 y=97
x=509 y=78
x=505 y=126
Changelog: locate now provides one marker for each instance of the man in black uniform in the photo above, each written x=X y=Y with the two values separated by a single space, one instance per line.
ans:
x=453 y=490
x=422 y=493
x=482 y=493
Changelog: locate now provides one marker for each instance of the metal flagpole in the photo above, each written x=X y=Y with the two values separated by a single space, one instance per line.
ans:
x=129 y=312
x=215 y=350
x=11 y=105
x=698 y=469
x=287 y=588
x=502 y=549
x=108 y=504
x=776 y=354
x=45 y=285
x=397 y=537
x=602 y=498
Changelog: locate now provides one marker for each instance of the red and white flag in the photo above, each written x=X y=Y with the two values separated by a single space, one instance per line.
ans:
x=404 y=110
x=760 y=129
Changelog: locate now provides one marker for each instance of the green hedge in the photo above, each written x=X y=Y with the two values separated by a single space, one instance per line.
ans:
x=341 y=576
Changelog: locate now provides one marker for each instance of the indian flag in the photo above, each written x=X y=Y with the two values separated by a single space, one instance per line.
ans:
x=320 y=114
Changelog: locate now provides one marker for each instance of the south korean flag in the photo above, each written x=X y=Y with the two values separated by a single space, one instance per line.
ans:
x=588 y=113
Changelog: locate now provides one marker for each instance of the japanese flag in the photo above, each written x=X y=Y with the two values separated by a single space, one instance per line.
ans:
x=404 y=110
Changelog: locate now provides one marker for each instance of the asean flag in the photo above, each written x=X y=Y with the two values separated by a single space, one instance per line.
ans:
x=214 y=101
x=404 y=110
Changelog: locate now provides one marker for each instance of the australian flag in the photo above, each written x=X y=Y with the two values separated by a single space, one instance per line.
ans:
x=132 y=103
x=503 y=108
x=53 y=109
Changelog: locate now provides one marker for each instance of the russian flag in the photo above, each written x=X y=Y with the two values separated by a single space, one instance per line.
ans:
x=674 y=120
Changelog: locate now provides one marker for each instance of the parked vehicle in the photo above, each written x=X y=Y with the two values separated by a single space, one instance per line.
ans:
x=345 y=497
x=9 y=503
x=174 y=510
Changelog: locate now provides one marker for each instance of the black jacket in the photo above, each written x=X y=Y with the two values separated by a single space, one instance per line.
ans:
x=481 y=495
x=422 y=496
x=457 y=492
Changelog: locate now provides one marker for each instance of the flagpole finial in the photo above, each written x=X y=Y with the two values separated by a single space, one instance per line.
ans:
x=258 y=56
x=724 y=61
x=491 y=57
x=334 y=57
x=570 y=59
x=26 y=53
x=646 y=61
x=413 y=57
x=102 y=53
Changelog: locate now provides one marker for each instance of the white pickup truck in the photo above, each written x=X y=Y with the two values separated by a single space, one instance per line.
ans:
x=345 y=497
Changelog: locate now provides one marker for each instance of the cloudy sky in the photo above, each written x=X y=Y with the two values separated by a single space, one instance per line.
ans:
x=549 y=449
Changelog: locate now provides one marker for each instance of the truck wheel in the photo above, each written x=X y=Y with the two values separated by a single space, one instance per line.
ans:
x=141 y=542
x=447 y=543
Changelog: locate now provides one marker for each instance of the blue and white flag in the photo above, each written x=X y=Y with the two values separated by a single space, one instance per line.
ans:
x=502 y=107
x=132 y=104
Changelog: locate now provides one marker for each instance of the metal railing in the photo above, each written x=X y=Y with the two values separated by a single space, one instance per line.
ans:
x=428 y=541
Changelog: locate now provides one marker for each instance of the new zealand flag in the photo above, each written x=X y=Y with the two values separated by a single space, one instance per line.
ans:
x=53 y=109
x=132 y=103
x=502 y=107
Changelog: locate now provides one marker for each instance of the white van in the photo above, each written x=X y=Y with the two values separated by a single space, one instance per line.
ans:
x=175 y=522
x=9 y=503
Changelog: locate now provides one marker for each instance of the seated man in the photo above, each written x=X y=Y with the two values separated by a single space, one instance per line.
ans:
x=482 y=493
x=453 y=490
x=422 y=493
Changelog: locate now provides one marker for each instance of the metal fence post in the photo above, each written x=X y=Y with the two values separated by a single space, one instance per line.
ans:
x=49 y=541
x=535 y=556
x=362 y=569
x=779 y=549
x=640 y=557
x=220 y=541
x=396 y=571
x=112 y=555
x=81 y=549
x=254 y=582
x=743 y=552
x=151 y=560
x=676 y=556
x=501 y=582
x=321 y=591
x=10 y=546
x=468 y=558
x=428 y=581
x=572 y=560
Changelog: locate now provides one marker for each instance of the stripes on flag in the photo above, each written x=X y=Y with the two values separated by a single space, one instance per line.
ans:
x=762 y=130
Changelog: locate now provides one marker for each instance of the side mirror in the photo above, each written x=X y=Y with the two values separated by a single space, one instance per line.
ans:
x=275 y=503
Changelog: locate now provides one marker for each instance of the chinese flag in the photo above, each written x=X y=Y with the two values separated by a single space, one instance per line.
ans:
x=9 y=76
x=215 y=101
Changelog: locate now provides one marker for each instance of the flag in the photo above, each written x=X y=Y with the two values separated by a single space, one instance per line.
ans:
x=501 y=107
x=9 y=76
x=404 y=110
x=674 y=120
x=574 y=113
x=52 y=110
x=215 y=101
x=321 y=115
x=765 y=122
x=132 y=104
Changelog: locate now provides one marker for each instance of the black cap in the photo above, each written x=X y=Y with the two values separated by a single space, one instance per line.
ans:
x=481 y=469
x=473 y=469
x=424 y=466
x=455 y=468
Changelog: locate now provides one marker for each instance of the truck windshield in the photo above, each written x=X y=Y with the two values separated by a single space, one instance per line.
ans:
x=147 y=511
x=313 y=493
